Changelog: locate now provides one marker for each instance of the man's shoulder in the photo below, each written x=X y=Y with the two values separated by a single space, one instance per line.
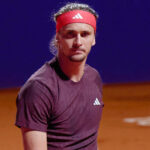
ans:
x=93 y=74
x=91 y=70
x=45 y=76
x=45 y=72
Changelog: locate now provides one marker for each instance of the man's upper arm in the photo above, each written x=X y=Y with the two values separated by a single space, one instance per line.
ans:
x=34 y=140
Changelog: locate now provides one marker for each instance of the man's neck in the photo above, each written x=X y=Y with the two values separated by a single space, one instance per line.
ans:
x=73 y=70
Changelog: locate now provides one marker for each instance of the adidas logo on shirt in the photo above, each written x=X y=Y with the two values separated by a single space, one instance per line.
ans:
x=96 y=102
x=77 y=16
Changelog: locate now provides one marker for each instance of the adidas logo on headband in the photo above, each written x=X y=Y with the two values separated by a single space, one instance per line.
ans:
x=77 y=16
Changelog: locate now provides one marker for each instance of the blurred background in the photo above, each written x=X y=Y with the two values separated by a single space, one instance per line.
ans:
x=121 y=55
x=123 y=39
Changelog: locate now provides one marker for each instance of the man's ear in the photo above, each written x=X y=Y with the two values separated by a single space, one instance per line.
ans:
x=57 y=37
x=94 y=42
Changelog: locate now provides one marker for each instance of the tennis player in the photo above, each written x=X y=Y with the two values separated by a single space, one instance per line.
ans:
x=60 y=106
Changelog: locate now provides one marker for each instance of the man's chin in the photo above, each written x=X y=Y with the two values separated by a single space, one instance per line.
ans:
x=76 y=58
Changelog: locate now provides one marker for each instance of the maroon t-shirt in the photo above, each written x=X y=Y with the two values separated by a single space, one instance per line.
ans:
x=68 y=111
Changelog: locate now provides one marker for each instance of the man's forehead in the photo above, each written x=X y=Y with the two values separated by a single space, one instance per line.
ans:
x=78 y=27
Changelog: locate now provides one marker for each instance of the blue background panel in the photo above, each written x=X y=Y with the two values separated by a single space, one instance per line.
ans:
x=122 y=49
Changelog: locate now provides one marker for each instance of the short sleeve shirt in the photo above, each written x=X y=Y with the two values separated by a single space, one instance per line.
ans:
x=70 y=112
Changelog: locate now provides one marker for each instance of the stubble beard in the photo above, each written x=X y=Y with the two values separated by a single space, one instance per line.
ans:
x=76 y=58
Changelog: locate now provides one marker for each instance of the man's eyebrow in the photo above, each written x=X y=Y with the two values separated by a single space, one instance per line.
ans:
x=70 y=30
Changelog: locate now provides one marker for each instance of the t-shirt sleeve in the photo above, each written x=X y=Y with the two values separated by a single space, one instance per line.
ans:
x=34 y=107
x=100 y=83
x=100 y=86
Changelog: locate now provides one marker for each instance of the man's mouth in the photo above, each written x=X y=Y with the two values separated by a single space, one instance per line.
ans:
x=79 y=50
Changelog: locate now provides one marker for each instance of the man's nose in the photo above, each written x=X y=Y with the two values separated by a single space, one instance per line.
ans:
x=77 y=41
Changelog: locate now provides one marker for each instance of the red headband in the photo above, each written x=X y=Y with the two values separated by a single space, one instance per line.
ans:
x=75 y=16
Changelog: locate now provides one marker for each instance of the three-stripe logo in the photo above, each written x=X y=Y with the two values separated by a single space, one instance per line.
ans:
x=77 y=16
x=96 y=102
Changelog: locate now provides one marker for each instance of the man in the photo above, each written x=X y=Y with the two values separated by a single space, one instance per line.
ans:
x=60 y=106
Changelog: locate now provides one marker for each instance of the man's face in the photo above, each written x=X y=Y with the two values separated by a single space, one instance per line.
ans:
x=75 y=41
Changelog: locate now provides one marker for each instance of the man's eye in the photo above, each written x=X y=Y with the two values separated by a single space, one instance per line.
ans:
x=69 y=34
x=84 y=34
